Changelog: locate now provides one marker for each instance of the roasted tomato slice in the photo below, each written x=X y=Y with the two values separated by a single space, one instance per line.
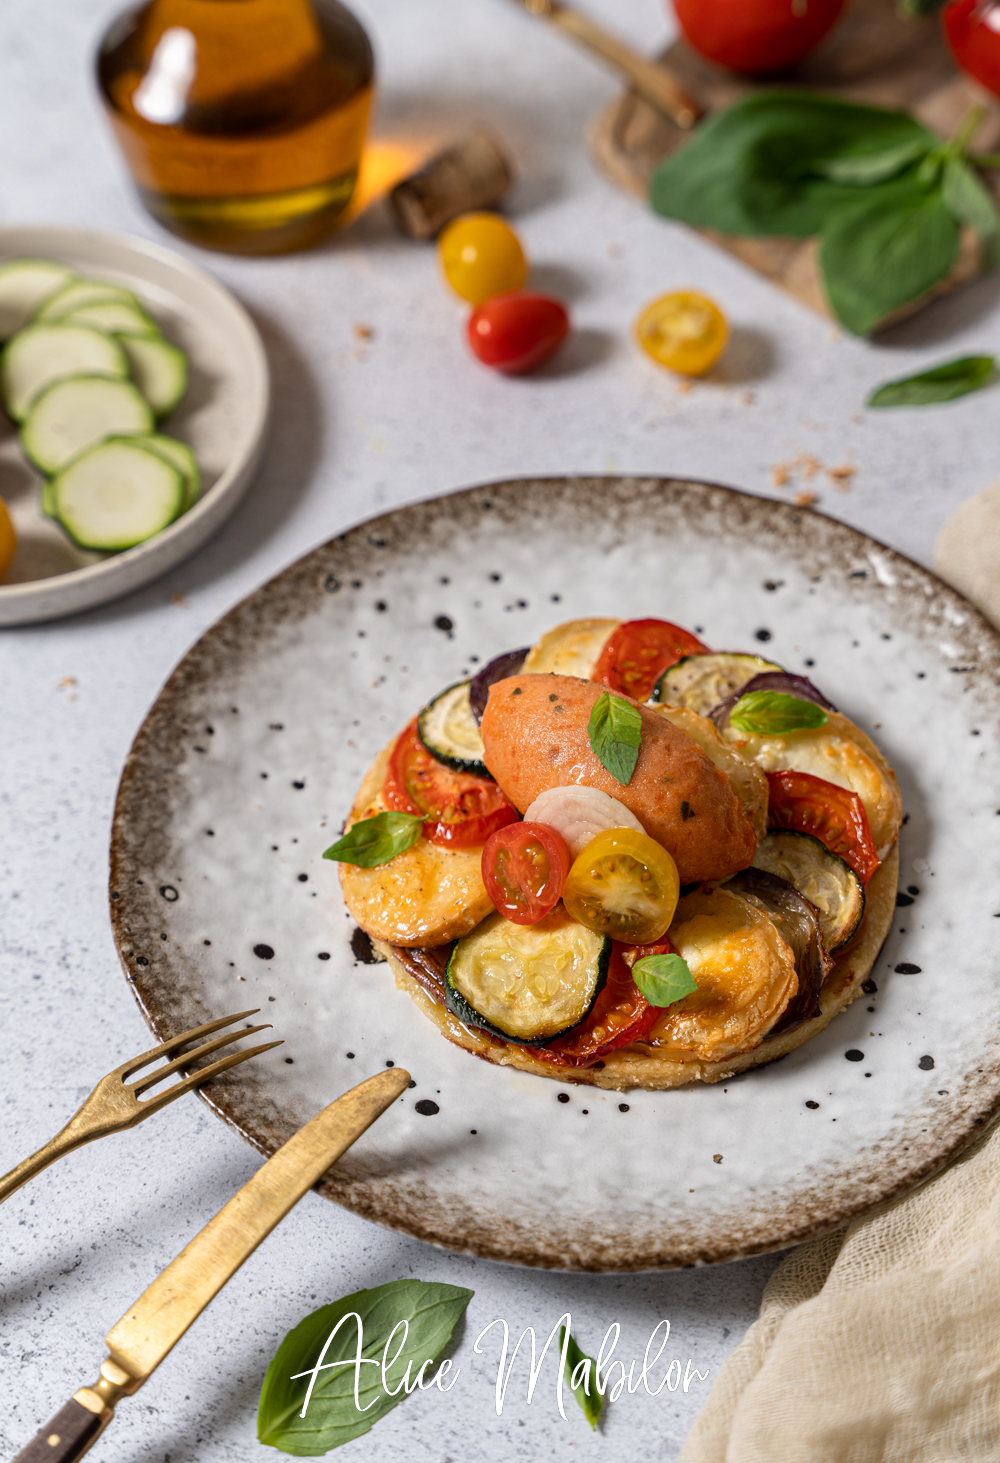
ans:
x=635 y=655
x=461 y=809
x=524 y=870
x=832 y=814
x=620 y=1015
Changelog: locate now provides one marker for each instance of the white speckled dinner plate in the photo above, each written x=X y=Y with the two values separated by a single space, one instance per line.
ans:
x=248 y=762
x=223 y=416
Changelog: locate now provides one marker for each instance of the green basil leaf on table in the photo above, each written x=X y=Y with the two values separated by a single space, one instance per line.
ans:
x=768 y=713
x=757 y=167
x=615 y=735
x=431 y=1310
x=585 y=1388
x=941 y=383
x=885 y=252
x=376 y=840
x=861 y=169
x=971 y=203
x=663 y=979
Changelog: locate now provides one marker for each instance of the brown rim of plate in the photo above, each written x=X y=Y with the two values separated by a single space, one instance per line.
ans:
x=287 y=598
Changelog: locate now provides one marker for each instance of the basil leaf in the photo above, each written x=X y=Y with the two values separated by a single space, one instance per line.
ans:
x=756 y=167
x=942 y=383
x=863 y=169
x=886 y=252
x=376 y=840
x=913 y=9
x=585 y=1391
x=763 y=713
x=615 y=734
x=431 y=1311
x=663 y=979
x=971 y=204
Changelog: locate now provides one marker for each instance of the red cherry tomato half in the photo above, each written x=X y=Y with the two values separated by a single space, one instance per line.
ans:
x=835 y=816
x=524 y=870
x=621 y=1014
x=635 y=655
x=462 y=810
x=516 y=332
x=972 y=28
x=756 y=36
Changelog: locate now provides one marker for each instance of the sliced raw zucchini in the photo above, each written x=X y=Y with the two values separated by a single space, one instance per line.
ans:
x=527 y=983
x=114 y=316
x=116 y=495
x=24 y=285
x=79 y=292
x=702 y=681
x=451 y=733
x=70 y=416
x=819 y=876
x=183 y=458
x=41 y=354
x=158 y=368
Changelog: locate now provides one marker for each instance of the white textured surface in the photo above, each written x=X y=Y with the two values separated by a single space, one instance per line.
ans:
x=358 y=428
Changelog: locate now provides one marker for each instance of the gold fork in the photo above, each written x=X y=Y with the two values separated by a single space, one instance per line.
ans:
x=114 y=1103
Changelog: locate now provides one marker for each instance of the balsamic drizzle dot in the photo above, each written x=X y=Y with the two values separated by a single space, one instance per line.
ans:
x=361 y=946
x=412 y=1084
x=169 y=893
x=762 y=634
x=263 y=952
x=623 y=1107
x=812 y=1104
x=323 y=955
x=906 y=967
x=427 y=1107
x=564 y=1097
x=350 y=1056
x=390 y=1064
x=444 y=623
x=303 y=878
x=854 y=1055
x=926 y=1064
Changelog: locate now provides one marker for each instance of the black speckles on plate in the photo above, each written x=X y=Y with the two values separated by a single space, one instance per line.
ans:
x=854 y=1055
x=427 y=1107
x=811 y=1104
x=362 y=947
x=263 y=952
x=167 y=891
x=906 y=967
x=926 y=1064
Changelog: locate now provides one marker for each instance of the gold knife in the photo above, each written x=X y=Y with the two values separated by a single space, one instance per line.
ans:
x=161 y=1315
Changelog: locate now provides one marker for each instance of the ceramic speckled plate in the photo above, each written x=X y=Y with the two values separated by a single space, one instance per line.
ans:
x=223 y=416
x=248 y=762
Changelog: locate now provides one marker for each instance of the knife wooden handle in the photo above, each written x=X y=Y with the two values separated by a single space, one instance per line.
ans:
x=67 y=1436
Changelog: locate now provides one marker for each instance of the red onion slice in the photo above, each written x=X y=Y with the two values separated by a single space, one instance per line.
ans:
x=498 y=669
x=799 y=686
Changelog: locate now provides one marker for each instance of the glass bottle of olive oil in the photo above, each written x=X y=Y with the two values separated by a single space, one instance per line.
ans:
x=242 y=121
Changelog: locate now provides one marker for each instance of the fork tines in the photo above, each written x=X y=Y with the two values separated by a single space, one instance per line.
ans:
x=185 y=1059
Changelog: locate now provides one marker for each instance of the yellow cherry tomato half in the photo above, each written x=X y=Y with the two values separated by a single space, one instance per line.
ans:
x=623 y=884
x=481 y=256
x=8 y=539
x=683 y=331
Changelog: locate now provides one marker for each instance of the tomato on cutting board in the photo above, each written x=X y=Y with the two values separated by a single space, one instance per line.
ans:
x=462 y=810
x=524 y=870
x=756 y=36
x=837 y=817
x=972 y=29
x=635 y=655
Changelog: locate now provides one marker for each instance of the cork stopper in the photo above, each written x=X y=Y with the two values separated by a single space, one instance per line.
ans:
x=472 y=173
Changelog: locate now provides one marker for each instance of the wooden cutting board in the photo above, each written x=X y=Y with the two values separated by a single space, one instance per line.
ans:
x=871 y=56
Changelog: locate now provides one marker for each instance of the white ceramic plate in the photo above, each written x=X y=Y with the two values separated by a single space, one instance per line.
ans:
x=223 y=417
x=247 y=764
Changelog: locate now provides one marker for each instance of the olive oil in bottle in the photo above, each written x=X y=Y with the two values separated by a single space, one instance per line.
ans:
x=242 y=121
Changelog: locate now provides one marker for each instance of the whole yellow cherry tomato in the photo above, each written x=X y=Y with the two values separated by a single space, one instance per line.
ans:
x=623 y=884
x=481 y=257
x=683 y=331
x=8 y=539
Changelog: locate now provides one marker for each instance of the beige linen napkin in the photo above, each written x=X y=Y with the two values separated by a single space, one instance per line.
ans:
x=880 y=1343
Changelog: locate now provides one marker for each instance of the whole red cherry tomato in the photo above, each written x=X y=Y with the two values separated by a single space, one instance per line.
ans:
x=756 y=36
x=635 y=655
x=972 y=28
x=524 y=870
x=516 y=332
x=462 y=809
x=835 y=816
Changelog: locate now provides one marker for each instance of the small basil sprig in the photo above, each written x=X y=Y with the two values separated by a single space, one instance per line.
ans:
x=886 y=197
x=582 y=1378
x=768 y=713
x=431 y=1311
x=376 y=840
x=615 y=735
x=941 y=383
x=663 y=979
